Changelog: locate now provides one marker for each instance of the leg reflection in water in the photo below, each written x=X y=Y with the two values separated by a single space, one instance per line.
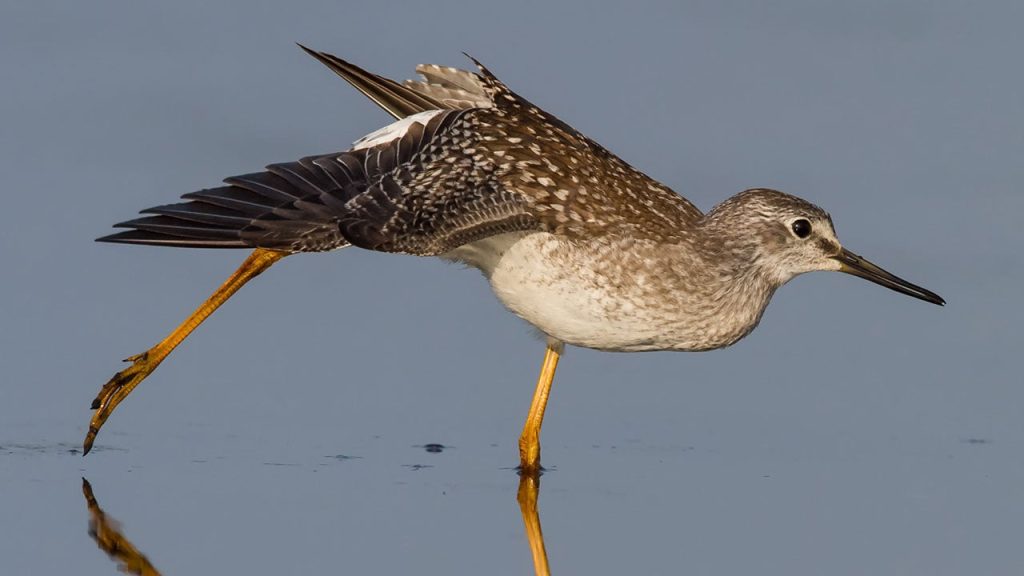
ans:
x=108 y=536
x=107 y=533
x=529 y=488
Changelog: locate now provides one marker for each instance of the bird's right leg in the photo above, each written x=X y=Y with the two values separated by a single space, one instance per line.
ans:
x=118 y=388
x=529 y=441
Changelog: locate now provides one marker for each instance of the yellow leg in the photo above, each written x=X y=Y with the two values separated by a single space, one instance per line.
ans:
x=110 y=539
x=529 y=488
x=529 y=441
x=118 y=388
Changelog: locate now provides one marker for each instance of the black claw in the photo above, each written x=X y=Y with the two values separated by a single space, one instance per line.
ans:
x=89 y=439
x=95 y=404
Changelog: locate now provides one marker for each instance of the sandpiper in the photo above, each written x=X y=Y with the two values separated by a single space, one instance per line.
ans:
x=586 y=248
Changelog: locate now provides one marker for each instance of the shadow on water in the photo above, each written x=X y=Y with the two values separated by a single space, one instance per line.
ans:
x=108 y=536
x=107 y=533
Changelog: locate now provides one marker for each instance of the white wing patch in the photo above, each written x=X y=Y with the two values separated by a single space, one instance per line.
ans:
x=394 y=131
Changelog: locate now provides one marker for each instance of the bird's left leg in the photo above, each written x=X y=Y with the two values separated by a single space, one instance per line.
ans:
x=529 y=441
x=118 y=388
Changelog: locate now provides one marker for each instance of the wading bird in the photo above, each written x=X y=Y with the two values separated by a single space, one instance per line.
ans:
x=586 y=248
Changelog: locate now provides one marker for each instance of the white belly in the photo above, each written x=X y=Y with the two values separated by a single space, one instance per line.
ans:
x=569 y=293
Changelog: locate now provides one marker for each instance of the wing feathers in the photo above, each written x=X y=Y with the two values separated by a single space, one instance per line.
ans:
x=292 y=206
x=158 y=239
x=420 y=192
x=397 y=100
x=442 y=88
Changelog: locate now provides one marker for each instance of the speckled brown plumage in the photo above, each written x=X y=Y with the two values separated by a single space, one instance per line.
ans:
x=465 y=174
x=573 y=239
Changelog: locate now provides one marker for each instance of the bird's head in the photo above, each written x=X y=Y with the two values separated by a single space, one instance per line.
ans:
x=784 y=236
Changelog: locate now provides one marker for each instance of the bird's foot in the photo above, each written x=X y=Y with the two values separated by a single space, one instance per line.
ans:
x=117 y=389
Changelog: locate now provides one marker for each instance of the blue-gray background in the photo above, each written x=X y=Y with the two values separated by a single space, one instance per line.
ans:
x=856 y=431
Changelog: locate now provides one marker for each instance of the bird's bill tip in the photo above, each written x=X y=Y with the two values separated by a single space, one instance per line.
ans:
x=851 y=263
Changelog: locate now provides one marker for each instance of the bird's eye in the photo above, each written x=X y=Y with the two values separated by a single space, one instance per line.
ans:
x=802 y=228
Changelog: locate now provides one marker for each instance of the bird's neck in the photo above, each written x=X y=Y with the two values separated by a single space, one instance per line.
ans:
x=732 y=293
x=742 y=302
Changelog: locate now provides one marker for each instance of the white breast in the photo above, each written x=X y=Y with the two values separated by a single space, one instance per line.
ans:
x=557 y=288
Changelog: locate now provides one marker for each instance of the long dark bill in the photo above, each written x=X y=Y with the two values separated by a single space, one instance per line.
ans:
x=854 y=264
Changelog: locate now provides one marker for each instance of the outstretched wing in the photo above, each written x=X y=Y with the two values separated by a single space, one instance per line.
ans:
x=468 y=159
x=413 y=188
x=556 y=166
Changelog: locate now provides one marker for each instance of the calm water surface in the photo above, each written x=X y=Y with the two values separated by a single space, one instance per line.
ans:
x=385 y=506
x=854 y=432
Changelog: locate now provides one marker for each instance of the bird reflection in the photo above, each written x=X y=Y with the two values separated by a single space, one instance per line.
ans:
x=529 y=489
x=107 y=533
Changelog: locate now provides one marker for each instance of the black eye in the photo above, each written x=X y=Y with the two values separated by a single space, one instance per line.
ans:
x=802 y=228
